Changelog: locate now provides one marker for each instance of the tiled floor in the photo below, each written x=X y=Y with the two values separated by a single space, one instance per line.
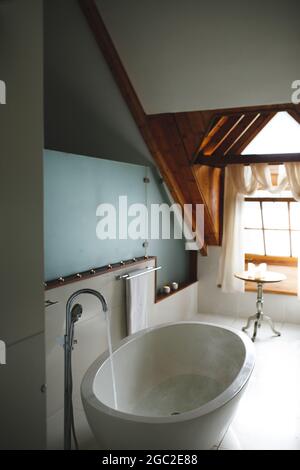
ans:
x=269 y=412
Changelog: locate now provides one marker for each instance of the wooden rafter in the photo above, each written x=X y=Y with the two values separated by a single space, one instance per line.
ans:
x=274 y=159
x=243 y=127
x=295 y=114
x=252 y=132
x=222 y=133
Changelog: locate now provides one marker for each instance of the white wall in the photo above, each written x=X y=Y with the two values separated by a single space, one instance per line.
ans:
x=22 y=405
x=211 y=300
x=90 y=333
x=195 y=55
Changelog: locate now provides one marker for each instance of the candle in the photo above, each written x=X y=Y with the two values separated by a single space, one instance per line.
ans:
x=261 y=270
x=251 y=269
x=166 y=289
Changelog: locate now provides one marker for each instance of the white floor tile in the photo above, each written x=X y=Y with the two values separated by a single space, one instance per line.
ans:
x=216 y=319
x=268 y=416
x=230 y=441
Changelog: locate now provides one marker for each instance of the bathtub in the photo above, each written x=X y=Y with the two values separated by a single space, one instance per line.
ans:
x=177 y=387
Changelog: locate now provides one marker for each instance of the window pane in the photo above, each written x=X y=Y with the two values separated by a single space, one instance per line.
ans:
x=295 y=215
x=295 y=243
x=275 y=215
x=277 y=242
x=252 y=216
x=253 y=240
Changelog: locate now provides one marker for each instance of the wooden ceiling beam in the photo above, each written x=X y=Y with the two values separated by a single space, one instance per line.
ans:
x=251 y=132
x=274 y=159
x=191 y=127
x=295 y=114
x=214 y=129
x=240 y=130
x=221 y=134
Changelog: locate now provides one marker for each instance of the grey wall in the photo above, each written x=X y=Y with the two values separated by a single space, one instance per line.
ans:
x=194 y=54
x=22 y=405
x=74 y=187
x=86 y=115
x=84 y=110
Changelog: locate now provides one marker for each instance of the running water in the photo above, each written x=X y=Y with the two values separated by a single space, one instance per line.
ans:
x=108 y=330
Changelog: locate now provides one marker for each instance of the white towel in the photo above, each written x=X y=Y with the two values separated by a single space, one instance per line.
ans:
x=136 y=302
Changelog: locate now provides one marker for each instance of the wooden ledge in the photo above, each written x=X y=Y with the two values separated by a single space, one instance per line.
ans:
x=160 y=297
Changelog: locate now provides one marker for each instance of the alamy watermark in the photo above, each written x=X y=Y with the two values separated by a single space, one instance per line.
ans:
x=295 y=98
x=2 y=92
x=160 y=221
x=2 y=353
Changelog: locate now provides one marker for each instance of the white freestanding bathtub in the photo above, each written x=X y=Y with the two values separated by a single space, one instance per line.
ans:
x=178 y=386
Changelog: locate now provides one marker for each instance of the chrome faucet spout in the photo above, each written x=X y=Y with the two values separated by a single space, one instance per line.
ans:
x=73 y=314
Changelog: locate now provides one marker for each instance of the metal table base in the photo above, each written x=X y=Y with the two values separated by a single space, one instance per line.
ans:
x=259 y=317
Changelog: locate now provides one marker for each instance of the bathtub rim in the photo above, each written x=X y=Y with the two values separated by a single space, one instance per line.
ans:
x=239 y=382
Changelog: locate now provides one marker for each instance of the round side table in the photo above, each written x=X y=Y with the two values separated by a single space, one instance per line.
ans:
x=268 y=278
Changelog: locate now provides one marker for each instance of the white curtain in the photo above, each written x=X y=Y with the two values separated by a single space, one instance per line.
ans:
x=239 y=180
x=293 y=177
x=232 y=246
x=242 y=181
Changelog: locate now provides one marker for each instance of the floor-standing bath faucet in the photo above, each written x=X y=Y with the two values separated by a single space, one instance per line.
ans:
x=73 y=313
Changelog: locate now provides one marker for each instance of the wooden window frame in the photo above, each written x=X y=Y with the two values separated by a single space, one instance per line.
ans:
x=271 y=260
x=285 y=264
x=261 y=200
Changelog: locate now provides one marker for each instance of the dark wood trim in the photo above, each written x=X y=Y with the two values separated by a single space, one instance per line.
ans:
x=104 y=41
x=221 y=134
x=94 y=272
x=295 y=114
x=222 y=202
x=270 y=199
x=160 y=297
x=251 y=132
x=248 y=159
x=246 y=125
x=206 y=135
x=272 y=260
x=193 y=266
x=259 y=117
x=261 y=109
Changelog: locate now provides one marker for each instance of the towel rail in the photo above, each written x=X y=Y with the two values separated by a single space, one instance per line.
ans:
x=127 y=276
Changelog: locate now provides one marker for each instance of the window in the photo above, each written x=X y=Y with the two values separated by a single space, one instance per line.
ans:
x=272 y=223
x=272 y=226
x=272 y=235
x=280 y=135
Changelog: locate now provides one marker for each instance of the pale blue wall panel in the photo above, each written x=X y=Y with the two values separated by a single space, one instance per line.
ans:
x=74 y=187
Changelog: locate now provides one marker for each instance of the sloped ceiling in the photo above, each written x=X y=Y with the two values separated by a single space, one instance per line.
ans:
x=174 y=139
x=185 y=55
x=84 y=110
